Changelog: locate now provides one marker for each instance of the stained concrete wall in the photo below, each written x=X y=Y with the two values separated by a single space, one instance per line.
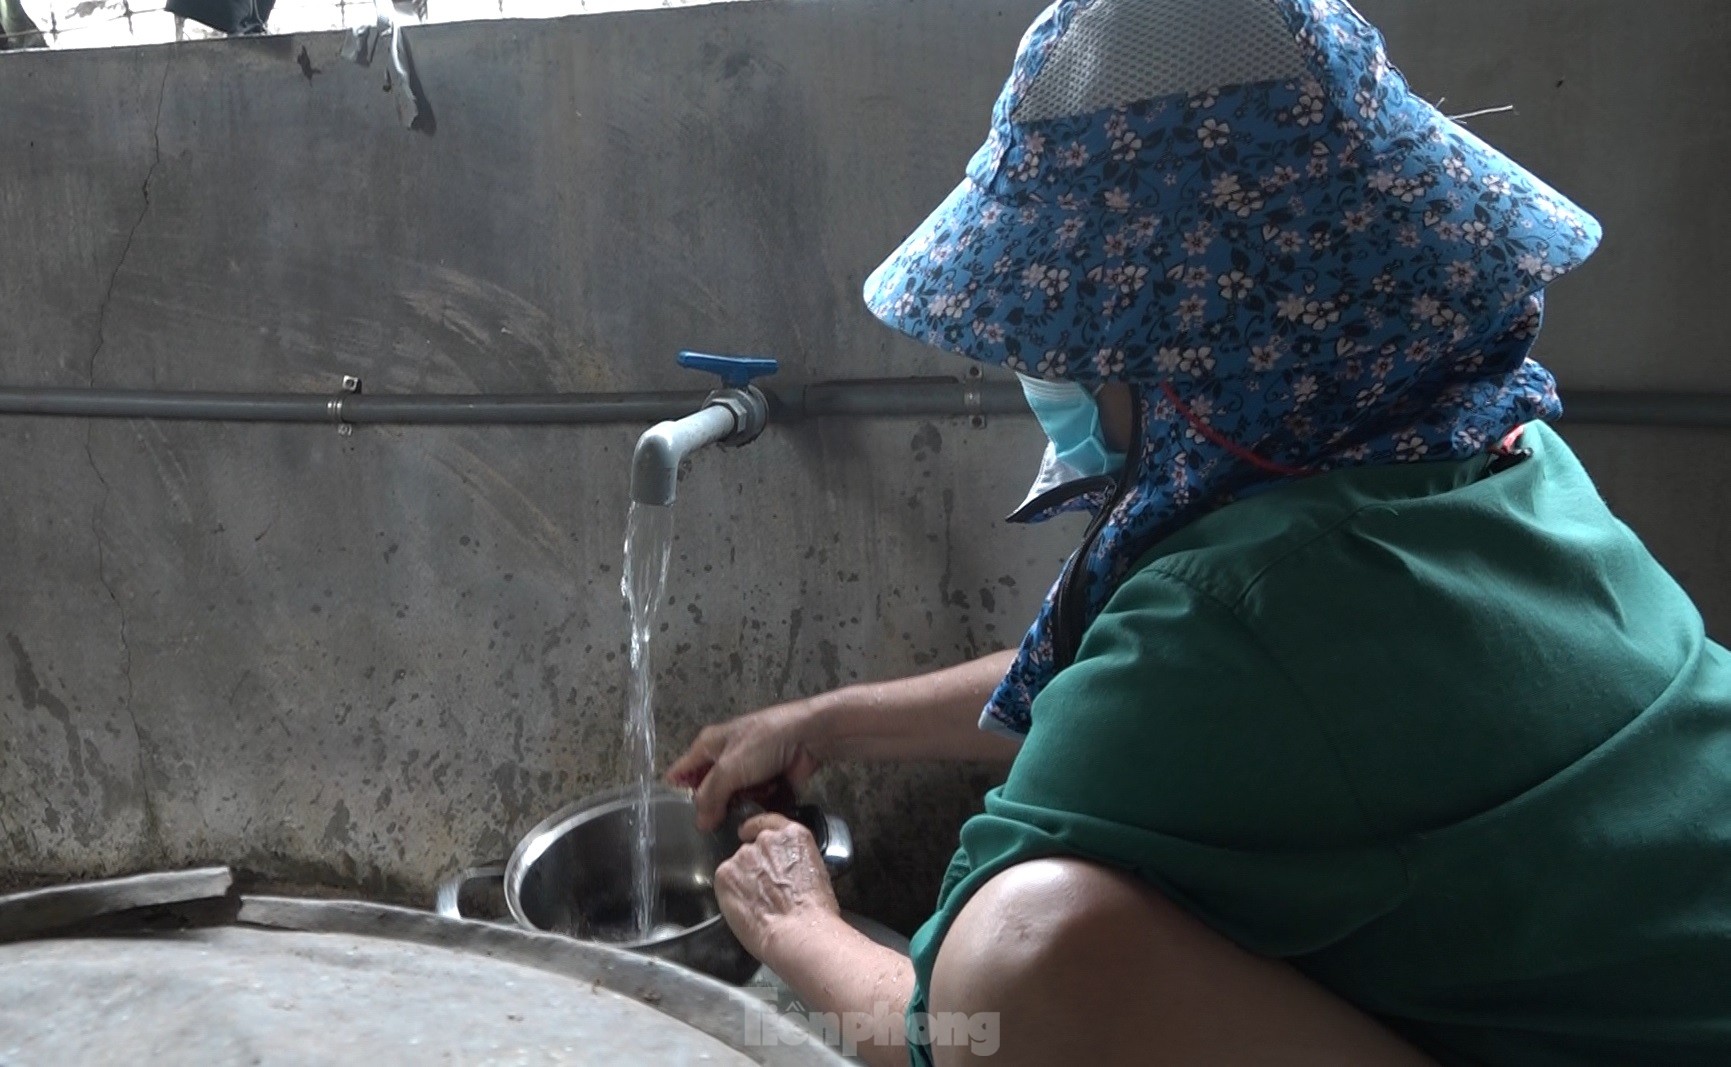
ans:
x=361 y=661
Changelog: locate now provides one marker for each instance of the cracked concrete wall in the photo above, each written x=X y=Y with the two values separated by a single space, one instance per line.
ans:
x=358 y=662
x=362 y=662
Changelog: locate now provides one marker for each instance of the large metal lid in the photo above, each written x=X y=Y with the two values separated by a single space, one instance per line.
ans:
x=179 y=969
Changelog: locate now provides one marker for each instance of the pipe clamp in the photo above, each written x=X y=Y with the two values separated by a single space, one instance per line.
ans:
x=351 y=387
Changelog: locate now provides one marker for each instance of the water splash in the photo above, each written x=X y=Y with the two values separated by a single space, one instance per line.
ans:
x=648 y=545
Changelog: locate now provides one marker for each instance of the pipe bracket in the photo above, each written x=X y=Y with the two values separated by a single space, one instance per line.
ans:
x=351 y=387
x=974 y=397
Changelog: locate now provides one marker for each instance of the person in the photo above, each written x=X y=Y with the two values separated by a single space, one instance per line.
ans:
x=1357 y=730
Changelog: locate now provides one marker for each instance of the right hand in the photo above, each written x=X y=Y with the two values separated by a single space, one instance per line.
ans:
x=747 y=751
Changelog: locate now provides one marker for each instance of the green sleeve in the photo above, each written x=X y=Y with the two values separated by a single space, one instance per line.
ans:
x=1176 y=748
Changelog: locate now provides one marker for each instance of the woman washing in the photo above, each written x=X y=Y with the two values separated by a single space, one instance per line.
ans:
x=1357 y=730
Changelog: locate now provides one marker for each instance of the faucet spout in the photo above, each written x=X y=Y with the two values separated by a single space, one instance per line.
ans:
x=733 y=415
x=730 y=417
x=664 y=446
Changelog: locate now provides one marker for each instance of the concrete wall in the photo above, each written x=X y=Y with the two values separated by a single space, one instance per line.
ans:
x=361 y=661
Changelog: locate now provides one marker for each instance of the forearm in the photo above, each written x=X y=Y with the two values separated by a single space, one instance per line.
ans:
x=931 y=716
x=835 y=970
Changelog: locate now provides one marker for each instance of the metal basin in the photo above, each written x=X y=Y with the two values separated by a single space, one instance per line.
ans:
x=179 y=968
x=572 y=875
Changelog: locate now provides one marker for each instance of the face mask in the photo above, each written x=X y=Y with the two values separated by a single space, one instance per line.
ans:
x=1071 y=418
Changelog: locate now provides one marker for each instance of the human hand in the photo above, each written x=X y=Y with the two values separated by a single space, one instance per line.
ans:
x=748 y=751
x=775 y=885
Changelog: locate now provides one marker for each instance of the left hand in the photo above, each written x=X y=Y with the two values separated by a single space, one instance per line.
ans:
x=774 y=885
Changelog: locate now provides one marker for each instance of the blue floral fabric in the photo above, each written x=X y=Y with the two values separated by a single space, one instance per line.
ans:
x=1295 y=276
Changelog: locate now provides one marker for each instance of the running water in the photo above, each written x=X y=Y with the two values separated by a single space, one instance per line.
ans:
x=648 y=544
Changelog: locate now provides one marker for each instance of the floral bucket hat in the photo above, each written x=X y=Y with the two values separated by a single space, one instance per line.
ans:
x=1241 y=209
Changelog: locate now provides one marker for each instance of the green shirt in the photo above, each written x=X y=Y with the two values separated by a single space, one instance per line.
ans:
x=1450 y=741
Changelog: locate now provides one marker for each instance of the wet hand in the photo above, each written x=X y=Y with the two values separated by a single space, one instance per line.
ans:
x=748 y=751
x=775 y=887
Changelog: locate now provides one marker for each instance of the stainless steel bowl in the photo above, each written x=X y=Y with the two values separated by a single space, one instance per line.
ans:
x=572 y=875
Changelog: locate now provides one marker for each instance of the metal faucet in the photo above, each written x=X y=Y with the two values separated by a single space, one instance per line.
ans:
x=732 y=415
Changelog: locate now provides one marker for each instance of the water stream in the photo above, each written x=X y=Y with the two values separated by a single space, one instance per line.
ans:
x=648 y=544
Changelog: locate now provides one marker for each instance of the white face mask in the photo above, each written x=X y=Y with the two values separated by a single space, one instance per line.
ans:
x=1076 y=447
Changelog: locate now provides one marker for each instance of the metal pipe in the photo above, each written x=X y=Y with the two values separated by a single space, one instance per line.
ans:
x=1679 y=410
x=910 y=397
x=664 y=446
x=426 y=409
x=915 y=397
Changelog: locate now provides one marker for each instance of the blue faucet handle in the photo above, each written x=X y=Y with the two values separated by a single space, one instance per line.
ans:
x=735 y=372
